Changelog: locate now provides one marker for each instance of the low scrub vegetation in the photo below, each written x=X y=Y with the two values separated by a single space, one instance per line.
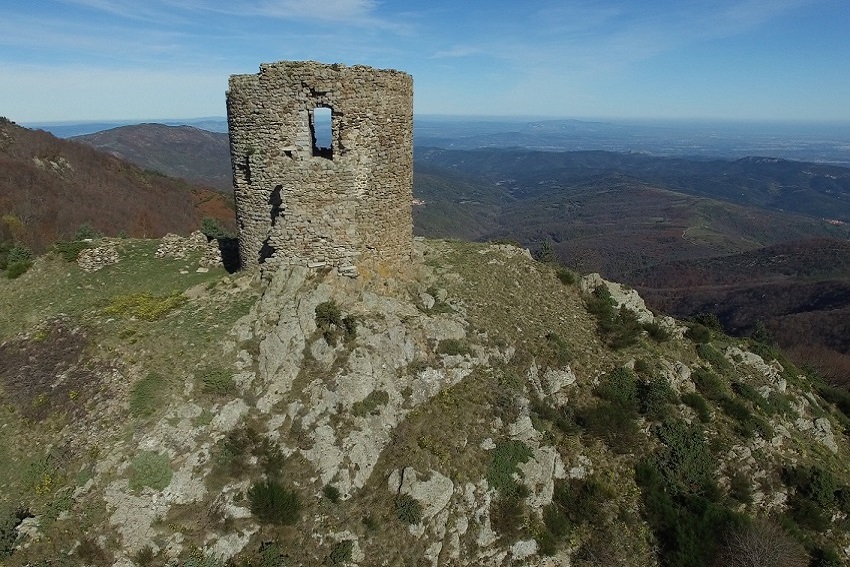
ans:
x=271 y=503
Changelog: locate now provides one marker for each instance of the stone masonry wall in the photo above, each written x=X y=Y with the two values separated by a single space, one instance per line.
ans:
x=346 y=207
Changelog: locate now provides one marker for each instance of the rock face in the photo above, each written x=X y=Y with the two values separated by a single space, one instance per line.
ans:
x=343 y=202
x=622 y=296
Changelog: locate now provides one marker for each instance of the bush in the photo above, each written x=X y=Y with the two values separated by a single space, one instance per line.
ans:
x=331 y=492
x=708 y=320
x=217 y=381
x=567 y=276
x=657 y=332
x=453 y=347
x=16 y=261
x=698 y=333
x=212 y=229
x=579 y=500
x=274 y=504
x=9 y=521
x=699 y=405
x=708 y=384
x=503 y=465
x=615 y=425
x=555 y=352
x=685 y=461
x=747 y=423
x=144 y=305
x=711 y=355
x=69 y=251
x=86 y=231
x=507 y=516
x=147 y=395
x=408 y=509
x=341 y=553
x=17 y=269
x=333 y=325
x=369 y=404
x=654 y=398
x=687 y=526
x=740 y=488
x=761 y=544
x=150 y=469
x=619 y=328
x=619 y=387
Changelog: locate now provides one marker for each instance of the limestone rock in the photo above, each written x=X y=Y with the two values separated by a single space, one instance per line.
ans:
x=622 y=296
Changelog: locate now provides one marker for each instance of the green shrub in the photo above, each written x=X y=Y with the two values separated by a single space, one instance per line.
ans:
x=814 y=483
x=408 y=509
x=274 y=504
x=619 y=328
x=657 y=332
x=563 y=417
x=217 y=381
x=708 y=320
x=740 y=488
x=69 y=251
x=333 y=325
x=579 y=500
x=503 y=465
x=86 y=231
x=453 y=347
x=331 y=492
x=699 y=405
x=16 y=261
x=555 y=352
x=747 y=422
x=685 y=461
x=711 y=355
x=507 y=516
x=547 y=543
x=17 y=269
x=556 y=521
x=370 y=404
x=341 y=553
x=10 y=519
x=688 y=527
x=212 y=229
x=826 y=557
x=147 y=395
x=698 y=333
x=615 y=425
x=708 y=384
x=654 y=398
x=567 y=276
x=150 y=469
x=145 y=305
x=619 y=387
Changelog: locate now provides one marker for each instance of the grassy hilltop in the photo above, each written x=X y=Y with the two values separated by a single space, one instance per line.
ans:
x=489 y=410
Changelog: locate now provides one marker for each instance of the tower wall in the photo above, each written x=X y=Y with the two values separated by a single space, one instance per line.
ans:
x=346 y=206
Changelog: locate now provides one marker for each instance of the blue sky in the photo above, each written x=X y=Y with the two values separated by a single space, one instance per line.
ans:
x=614 y=59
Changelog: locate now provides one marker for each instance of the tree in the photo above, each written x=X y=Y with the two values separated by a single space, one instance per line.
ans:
x=762 y=544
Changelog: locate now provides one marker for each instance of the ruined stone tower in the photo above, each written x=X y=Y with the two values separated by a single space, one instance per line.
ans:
x=319 y=190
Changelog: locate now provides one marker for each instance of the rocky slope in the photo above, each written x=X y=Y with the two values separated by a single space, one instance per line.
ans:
x=478 y=411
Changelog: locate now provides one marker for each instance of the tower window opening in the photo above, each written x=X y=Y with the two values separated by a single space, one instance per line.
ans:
x=321 y=130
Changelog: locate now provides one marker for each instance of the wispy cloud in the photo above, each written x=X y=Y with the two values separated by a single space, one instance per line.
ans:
x=459 y=51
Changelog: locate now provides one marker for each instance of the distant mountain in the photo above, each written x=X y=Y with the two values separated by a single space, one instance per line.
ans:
x=687 y=251
x=178 y=151
x=52 y=186
x=781 y=185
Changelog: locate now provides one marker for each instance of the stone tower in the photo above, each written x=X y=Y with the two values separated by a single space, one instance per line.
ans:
x=322 y=161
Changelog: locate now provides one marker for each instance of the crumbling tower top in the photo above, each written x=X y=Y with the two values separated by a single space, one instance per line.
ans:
x=322 y=160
